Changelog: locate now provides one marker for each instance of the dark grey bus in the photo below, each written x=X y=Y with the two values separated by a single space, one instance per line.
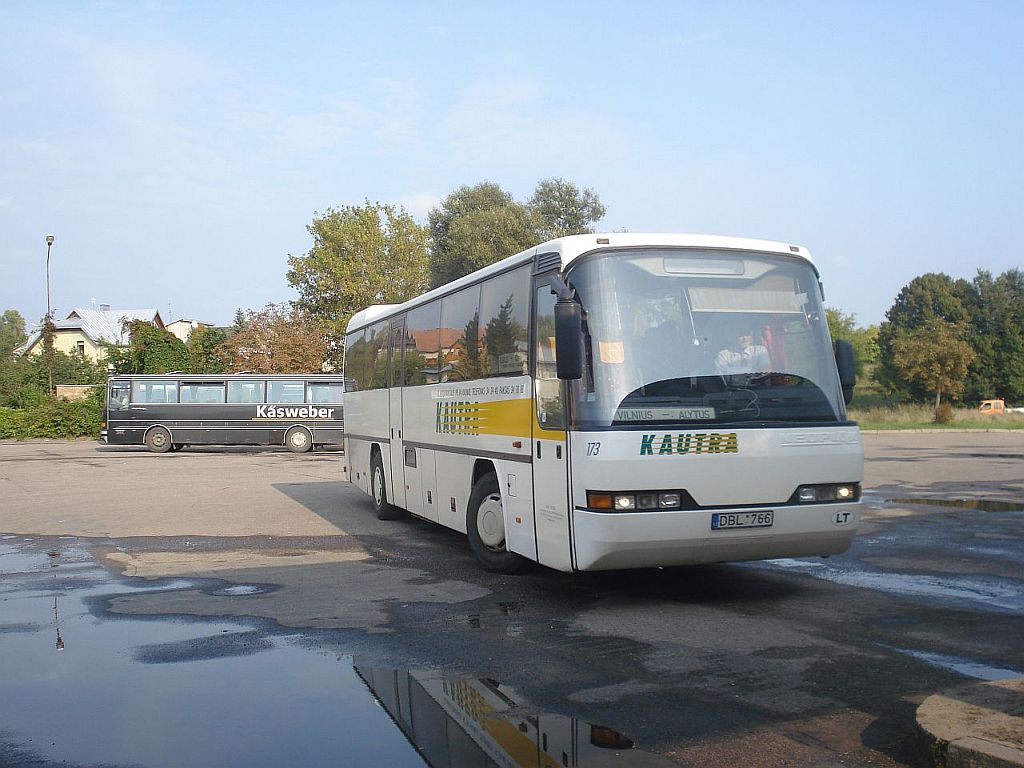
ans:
x=167 y=412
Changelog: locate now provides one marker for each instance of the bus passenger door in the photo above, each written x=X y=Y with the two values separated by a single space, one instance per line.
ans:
x=550 y=447
x=398 y=481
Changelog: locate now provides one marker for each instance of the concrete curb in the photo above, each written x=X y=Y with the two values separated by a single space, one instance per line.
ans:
x=980 y=725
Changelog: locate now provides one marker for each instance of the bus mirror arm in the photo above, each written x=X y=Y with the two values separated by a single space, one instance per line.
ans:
x=846 y=367
x=561 y=288
x=568 y=330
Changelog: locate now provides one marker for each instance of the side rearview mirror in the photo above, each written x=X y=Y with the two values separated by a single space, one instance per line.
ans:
x=569 y=339
x=847 y=369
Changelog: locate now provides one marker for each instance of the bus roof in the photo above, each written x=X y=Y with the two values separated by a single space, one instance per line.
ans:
x=573 y=247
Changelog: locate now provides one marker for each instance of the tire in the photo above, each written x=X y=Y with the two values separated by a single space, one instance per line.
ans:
x=158 y=440
x=379 y=492
x=485 y=526
x=298 y=440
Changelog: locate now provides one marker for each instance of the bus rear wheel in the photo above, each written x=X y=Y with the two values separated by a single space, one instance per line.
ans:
x=158 y=440
x=298 y=440
x=379 y=491
x=485 y=526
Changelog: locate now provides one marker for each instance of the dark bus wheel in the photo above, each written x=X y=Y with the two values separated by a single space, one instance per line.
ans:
x=298 y=440
x=485 y=526
x=379 y=492
x=158 y=440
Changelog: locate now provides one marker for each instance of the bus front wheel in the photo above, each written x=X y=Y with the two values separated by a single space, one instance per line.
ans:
x=379 y=491
x=485 y=526
x=158 y=440
x=298 y=440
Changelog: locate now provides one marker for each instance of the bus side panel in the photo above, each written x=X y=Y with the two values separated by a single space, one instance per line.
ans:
x=429 y=505
x=454 y=473
x=367 y=422
x=412 y=461
x=516 y=482
x=357 y=454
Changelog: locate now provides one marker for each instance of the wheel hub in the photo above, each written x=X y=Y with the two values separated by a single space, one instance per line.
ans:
x=378 y=485
x=490 y=523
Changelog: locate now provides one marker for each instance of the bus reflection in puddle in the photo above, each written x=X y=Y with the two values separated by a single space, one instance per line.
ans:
x=456 y=721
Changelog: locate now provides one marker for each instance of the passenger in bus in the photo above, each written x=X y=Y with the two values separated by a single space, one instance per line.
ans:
x=744 y=356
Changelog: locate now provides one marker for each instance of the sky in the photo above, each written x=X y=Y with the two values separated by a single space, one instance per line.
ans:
x=178 y=151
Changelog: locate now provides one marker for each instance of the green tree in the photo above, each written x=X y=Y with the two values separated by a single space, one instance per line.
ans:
x=996 y=307
x=12 y=332
x=204 y=350
x=276 y=340
x=925 y=298
x=151 y=350
x=24 y=379
x=561 y=208
x=20 y=384
x=361 y=255
x=864 y=340
x=936 y=356
x=474 y=227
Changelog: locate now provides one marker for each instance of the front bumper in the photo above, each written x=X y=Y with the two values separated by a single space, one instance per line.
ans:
x=606 y=541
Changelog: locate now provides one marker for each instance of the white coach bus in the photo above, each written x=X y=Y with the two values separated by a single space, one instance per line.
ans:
x=612 y=401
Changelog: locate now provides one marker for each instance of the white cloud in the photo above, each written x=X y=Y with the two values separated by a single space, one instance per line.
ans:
x=513 y=123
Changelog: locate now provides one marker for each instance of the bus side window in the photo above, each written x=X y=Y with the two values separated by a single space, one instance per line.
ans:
x=550 y=414
x=287 y=392
x=118 y=396
x=504 y=321
x=246 y=391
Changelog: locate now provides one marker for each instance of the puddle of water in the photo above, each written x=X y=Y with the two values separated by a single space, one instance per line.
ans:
x=965 y=667
x=457 y=721
x=101 y=689
x=978 y=504
x=14 y=559
x=989 y=592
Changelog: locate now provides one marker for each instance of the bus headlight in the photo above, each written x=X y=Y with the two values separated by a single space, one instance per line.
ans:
x=642 y=501
x=810 y=494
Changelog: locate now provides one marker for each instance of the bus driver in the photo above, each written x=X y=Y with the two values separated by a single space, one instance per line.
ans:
x=744 y=357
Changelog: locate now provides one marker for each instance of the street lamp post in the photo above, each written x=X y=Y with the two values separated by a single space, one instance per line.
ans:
x=49 y=318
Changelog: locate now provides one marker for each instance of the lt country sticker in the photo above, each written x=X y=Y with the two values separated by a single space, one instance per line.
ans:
x=689 y=443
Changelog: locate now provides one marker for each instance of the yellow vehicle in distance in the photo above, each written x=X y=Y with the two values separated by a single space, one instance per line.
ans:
x=993 y=407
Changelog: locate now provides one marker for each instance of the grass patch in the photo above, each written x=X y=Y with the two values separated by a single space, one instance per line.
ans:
x=898 y=417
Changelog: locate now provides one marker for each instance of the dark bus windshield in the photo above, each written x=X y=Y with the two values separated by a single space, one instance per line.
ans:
x=708 y=337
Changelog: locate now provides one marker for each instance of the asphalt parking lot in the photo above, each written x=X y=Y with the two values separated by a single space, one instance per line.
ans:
x=193 y=575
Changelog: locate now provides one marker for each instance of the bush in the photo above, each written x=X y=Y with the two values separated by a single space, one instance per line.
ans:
x=943 y=414
x=54 y=419
x=12 y=423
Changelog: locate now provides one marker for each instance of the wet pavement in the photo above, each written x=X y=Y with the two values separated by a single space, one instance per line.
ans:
x=82 y=686
x=215 y=633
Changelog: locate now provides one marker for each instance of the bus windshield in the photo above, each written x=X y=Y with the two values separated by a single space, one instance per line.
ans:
x=696 y=337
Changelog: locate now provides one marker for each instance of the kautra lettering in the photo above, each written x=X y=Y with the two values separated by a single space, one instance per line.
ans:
x=293 y=412
x=680 y=444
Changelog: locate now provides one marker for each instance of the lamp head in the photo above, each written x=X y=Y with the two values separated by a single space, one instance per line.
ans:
x=49 y=239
